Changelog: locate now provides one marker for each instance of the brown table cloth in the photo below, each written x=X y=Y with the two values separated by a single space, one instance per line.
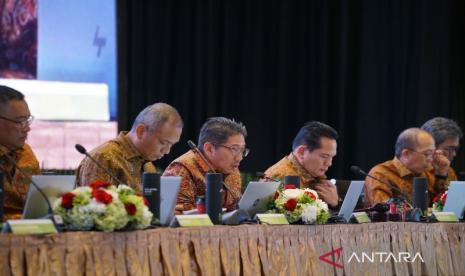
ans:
x=237 y=250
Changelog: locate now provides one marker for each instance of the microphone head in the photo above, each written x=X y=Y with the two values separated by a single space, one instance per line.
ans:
x=192 y=145
x=355 y=169
x=80 y=148
x=259 y=174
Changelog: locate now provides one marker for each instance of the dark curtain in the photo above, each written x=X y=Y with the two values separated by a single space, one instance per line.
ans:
x=368 y=68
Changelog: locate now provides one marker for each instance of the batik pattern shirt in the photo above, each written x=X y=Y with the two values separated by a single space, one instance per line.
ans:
x=192 y=169
x=397 y=174
x=15 y=185
x=121 y=158
x=290 y=166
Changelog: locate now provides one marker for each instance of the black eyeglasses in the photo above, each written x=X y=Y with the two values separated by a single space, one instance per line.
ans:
x=452 y=149
x=236 y=150
x=22 y=123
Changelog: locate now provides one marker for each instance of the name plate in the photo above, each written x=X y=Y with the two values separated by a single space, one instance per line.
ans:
x=361 y=217
x=193 y=220
x=29 y=226
x=445 y=216
x=275 y=219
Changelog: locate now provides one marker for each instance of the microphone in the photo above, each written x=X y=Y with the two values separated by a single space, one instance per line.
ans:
x=55 y=219
x=357 y=170
x=83 y=150
x=378 y=207
x=263 y=175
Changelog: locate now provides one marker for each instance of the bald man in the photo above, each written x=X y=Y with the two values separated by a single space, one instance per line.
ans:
x=415 y=152
x=156 y=129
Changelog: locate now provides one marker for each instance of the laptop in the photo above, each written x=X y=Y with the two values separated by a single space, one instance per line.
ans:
x=168 y=196
x=351 y=199
x=455 y=198
x=53 y=186
x=256 y=197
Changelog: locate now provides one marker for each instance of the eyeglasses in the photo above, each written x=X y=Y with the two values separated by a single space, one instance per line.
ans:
x=451 y=150
x=236 y=151
x=22 y=123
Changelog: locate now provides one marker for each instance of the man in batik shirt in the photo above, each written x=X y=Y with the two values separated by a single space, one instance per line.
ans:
x=313 y=150
x=222 y=143
x=156 y=129
x=415 y=152
x=15 y=120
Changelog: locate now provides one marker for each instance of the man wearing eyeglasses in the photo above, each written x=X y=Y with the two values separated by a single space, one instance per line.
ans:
x=15 y=121
x=222 y=143
x=447 y=135
x=415 y=152
x=313 y=150
x=154 y=131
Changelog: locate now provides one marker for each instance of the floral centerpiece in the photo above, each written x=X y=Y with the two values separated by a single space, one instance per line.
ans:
x=439 y=201
x=104 y=207
x=299 y=204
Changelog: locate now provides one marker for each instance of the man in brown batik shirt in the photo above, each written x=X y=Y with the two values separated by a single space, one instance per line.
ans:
x=15 y=120
x=222 y=142
x=313 y=150
x=156 y=129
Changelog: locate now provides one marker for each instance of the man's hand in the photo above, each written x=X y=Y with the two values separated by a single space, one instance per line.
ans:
x=441 y=163
x=327 y=192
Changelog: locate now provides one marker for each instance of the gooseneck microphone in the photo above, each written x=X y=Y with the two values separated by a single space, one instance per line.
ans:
x=83 y=150
x=263 y=175
x=378 y=207
x=56 y=220
x=357 y=170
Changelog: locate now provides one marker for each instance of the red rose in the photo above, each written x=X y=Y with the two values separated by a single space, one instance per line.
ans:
x=130 y=208
x=289 y=186
x=276 y=195
x=102 y=196
x=436 y=198
x=99 y=184
x=311 y=195
x=67 y=200
x=290 y=204
x=443 y=198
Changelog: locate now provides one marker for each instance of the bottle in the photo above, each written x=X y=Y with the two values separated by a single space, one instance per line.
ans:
x=200 y=204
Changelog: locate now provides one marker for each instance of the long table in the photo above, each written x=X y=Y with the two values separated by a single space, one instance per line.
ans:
x=367 y=249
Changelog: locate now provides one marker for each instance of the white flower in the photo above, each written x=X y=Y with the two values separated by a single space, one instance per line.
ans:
x=93 y=207
x=309 y=214
x=321 y=204
x=81 y=190
x=292 y=193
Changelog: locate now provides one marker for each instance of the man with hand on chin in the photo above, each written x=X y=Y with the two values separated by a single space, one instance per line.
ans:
x=447 y=135
x=222 y=143
x=313 y=150
x=15 y=121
